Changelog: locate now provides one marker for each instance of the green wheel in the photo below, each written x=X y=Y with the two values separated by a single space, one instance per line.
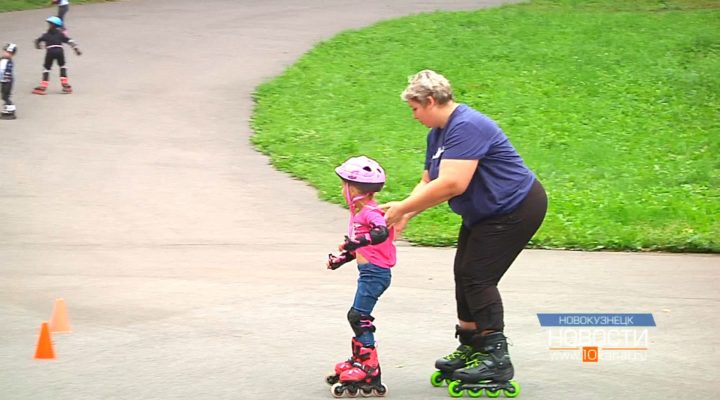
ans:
x=514 y=392
x=436 y=379
x=475 y=393
x=454 y=389
x=493 y=393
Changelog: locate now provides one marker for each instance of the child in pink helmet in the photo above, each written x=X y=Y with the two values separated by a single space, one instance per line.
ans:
x=370 y=242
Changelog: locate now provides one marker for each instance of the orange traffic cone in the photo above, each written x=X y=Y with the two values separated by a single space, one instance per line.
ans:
x=59 y=322
x=44 y=350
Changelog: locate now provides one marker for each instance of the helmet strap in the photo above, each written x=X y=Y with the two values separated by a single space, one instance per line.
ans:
x=351 y=202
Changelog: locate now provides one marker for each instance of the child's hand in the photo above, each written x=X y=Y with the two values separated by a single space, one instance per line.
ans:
x=332 y=265
x=335 y=262
x=77 y=51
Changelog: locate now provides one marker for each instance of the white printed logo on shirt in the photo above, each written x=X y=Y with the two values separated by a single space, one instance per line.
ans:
x=438 y=153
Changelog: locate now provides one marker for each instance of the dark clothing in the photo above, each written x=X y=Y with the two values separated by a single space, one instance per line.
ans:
x=485 y=251
x=54 y=54
x=7 y=70
x=62 y=10
x=54 y=37
x=501 y=180
x=7 y=76
x=501 y=209
x=6 y=91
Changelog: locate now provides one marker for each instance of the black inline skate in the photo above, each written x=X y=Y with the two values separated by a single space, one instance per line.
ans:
x=456 y=360
x=489 y=371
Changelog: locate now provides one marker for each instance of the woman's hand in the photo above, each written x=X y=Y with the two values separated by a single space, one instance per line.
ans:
x=400 y=225
x=394 y=213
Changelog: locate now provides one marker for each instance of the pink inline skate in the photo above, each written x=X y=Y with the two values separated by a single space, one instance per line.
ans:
x=363 y=378
x=345 y=365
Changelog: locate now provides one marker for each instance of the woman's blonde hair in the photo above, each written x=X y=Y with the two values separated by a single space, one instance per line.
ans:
x=427 y=83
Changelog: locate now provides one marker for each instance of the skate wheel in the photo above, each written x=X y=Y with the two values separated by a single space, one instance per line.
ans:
x=337 y=390
x=493 y=394
x=381 y=391
x=514 y=391
x=332 y=379
x=352 y=391
x=437 y=379
x=455 y=389
x=475 y=393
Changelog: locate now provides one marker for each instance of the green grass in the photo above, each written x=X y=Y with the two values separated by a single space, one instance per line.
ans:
x=18 y=5
x=614 y=104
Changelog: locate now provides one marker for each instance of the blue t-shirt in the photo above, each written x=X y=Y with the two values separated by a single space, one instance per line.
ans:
x=501 y=181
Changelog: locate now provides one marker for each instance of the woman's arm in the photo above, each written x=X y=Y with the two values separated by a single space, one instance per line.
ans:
x=418 y=188
x=453 y=179
x=402 y=223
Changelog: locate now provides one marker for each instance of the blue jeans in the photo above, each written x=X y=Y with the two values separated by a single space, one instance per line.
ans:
x=372 y=282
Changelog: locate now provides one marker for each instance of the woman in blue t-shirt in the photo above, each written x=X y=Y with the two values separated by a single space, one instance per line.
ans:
x=470 y=163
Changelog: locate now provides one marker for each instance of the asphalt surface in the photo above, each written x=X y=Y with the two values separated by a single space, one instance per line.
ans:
x=193 y=270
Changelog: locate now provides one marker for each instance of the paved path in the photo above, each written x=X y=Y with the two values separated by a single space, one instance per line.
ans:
x=192 y=270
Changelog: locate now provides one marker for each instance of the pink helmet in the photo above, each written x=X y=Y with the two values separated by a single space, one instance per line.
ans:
x=361 y=170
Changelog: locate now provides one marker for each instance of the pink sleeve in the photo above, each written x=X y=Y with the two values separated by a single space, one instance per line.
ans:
x=374 y=216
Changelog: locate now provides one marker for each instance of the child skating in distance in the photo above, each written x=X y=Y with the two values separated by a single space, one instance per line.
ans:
x=7 y=78
x=54 y=39
x=370 y=242
x=63 y=6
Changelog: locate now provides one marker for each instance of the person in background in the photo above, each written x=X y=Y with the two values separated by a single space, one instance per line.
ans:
x=7 y=77
x=54 y=39
x=63 y=7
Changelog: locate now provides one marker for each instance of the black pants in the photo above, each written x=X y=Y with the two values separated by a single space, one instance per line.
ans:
x=62 y=10
x=485 y=252
x=6 y=90
x=51 y=55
